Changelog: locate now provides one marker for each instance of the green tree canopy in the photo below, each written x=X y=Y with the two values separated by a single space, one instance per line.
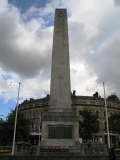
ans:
x=89 y=123
x=114 y=123
x=3 y=132
x=22 y=128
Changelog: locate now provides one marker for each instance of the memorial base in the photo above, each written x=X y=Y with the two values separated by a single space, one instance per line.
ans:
x=61 y=130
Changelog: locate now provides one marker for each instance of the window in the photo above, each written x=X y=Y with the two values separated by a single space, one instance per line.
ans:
x=41 y=114
x=79 y=101
x=88 y=101
x=32 y=115
x=79 y=113
x=40 y=104
x=26 y=115
x=96 y=139
x=96 y=102
x=97 y=112
x=105 y=125
x=32 y=126
x=40 y=125
x=104 y=114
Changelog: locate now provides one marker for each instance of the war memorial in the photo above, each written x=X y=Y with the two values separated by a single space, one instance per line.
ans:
x=60 y=124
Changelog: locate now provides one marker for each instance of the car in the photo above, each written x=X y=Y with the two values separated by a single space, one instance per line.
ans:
x=4 y=150
x=117 y=149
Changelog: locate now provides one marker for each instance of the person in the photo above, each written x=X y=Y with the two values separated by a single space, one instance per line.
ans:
x=31 y=149
x=112 y=155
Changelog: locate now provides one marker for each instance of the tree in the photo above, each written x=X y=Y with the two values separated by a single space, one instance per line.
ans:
x=3 y=133
x=114 y=123
x=89 y=123
x=22 y=128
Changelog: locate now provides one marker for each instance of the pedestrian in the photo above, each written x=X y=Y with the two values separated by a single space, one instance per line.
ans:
x=112 y=155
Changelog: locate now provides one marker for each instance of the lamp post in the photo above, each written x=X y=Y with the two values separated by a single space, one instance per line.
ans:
x=13 y=146
x=38 y=148
x=39 y=135
x=108 y=135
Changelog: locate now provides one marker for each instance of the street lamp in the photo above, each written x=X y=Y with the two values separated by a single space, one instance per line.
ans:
x=13 y=146
x=38 y=148
x=108 y=135
x=39 y=133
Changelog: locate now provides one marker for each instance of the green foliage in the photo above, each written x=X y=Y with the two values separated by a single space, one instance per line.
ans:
x=3 y=132
x=114 y=123
x=89 y=123
x=22 y=128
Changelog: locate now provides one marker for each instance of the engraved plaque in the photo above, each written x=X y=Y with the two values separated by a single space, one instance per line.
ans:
x=60 y=132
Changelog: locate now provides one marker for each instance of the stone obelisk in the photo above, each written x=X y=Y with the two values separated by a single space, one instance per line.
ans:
x=60 y=95
x=60 y=124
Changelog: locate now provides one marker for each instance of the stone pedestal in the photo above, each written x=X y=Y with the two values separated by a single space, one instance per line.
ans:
x=61 y=130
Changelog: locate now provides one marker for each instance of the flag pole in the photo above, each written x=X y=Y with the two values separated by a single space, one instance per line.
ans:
x=13 y=146
x=108 y=134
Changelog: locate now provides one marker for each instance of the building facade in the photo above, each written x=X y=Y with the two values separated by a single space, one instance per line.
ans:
x=36 y=109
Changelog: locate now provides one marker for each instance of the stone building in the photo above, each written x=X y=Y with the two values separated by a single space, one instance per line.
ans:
x=34 y=110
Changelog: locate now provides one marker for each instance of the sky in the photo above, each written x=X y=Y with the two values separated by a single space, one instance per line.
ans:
x=26 y=36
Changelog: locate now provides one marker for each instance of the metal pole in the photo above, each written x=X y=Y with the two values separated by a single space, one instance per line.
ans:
x=13 y=146
x=39 y=135
x=108 y=135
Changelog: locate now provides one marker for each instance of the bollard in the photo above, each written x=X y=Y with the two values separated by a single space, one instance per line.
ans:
x=98 y=150
x=82 y=150
x=15 y=150
x=105 y=150
x=21 y=150
x=38 y=150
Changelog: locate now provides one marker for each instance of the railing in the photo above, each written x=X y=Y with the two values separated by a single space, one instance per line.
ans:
x=84 y=150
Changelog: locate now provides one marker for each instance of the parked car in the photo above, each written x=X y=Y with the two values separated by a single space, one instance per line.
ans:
x=4 y=150
x=117 y=149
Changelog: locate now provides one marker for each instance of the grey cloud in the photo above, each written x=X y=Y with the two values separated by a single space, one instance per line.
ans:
x=117 y=2
x=77 y=40
x=105 y=63
x=107 y=26
x=29 y=60
x=33 y=58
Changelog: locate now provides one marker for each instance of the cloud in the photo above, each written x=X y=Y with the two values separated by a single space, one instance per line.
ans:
x=25 y=54
x=98 y=31
x=117 y=2
x=26 y=46
x=105 y=63
x=30 y=88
